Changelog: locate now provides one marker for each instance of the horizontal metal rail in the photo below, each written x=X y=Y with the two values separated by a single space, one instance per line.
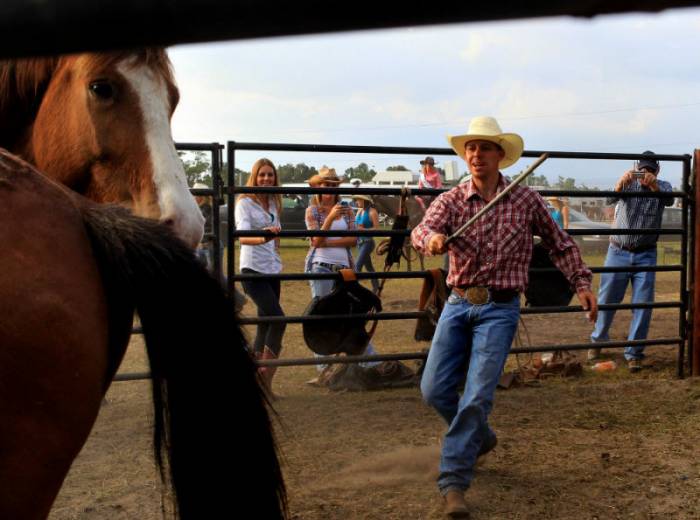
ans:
x=396 y=191
x=383 y=316
x=406 y=232
x=199 y=147
x=334 y=360
x=389 y=316
x=424 y=274
x=406 y=150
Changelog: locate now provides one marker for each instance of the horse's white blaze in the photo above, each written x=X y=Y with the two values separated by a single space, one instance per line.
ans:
x=174 y=198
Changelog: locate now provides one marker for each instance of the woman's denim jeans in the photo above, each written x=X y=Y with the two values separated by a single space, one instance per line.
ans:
x=475 y=339
x=321 y=288
x=365 y=246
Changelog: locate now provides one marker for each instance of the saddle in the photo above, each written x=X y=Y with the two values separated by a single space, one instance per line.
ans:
x=349 y=335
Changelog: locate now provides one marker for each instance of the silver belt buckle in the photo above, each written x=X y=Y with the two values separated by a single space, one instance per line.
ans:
x=477 y=295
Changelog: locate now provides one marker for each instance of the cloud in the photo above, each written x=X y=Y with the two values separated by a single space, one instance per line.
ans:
x=614 y=83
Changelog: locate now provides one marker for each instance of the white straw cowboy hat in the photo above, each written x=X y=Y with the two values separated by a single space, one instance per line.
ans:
x=486 y=128
x=363 y=197
x=200 y=186
x=325 y=174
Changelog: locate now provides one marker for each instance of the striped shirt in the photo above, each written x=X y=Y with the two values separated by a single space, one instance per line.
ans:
x=639 y=213
x=496 y=250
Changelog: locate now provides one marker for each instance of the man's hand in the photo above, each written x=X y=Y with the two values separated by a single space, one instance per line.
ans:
x=436 y=245
x=625 y=180
x=589 y=303
x=649 y=181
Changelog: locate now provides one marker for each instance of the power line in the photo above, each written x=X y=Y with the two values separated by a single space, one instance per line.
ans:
x=462 y=121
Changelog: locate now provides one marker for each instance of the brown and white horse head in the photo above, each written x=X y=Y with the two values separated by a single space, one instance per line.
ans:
x=103 y=129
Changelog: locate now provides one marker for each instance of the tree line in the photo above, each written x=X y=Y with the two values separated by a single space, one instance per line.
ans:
x=198 y=169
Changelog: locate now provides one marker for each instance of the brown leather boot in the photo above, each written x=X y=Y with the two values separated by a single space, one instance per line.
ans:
x=455 y=505
x=267 y=373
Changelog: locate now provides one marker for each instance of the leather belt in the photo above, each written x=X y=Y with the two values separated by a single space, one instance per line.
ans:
x=639 y=249
x=333 y=267
x=480 y=295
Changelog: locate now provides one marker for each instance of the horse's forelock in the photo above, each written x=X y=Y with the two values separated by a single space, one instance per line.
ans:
x=24 y=80
x=155 y=58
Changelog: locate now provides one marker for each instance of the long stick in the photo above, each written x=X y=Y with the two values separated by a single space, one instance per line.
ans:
x=520 y=178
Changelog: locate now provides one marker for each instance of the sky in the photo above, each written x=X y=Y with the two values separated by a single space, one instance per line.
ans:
x=618 y=83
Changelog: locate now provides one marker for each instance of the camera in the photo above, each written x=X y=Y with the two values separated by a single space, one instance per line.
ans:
x=638 y=175
x=344 y=203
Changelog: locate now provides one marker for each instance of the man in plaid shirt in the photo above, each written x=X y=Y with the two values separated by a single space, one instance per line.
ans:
x=488 y=271
x=633 y=251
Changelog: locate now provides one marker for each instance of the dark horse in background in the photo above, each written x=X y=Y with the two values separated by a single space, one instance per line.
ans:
x=73 y=270
x=389 y=205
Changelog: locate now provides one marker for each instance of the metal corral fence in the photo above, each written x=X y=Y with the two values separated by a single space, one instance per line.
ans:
x=219 y=193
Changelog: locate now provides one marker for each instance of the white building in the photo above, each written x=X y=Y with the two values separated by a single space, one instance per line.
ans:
x=395 y=178
x=451 y=171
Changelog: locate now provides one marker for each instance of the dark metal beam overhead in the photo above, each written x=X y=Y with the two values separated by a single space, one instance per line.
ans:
x=33 y=27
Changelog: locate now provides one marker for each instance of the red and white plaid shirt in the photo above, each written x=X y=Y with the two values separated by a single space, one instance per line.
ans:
x=496 y=250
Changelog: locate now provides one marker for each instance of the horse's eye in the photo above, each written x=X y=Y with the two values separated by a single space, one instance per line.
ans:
x=102 y=89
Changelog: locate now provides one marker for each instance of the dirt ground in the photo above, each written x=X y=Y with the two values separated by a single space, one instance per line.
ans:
x=610 y=445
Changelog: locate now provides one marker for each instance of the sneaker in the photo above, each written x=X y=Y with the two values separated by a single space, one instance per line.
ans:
x=593 y=354
x=634 y=365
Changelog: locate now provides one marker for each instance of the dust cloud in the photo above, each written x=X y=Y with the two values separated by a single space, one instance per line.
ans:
x=405 y=465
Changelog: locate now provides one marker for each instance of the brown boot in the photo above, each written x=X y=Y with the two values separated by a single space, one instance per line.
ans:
x=267 y=373
x=455 y=505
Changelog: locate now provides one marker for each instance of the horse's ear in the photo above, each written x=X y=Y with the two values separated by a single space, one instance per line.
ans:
x=23 y=83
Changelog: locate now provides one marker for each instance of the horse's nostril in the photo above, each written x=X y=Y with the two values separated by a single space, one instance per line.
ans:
x=170 y=222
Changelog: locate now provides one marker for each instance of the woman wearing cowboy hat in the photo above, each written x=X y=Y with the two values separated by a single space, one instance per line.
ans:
x=429 y=178
x=329 y=254
x=366 y=218
x=488 y=270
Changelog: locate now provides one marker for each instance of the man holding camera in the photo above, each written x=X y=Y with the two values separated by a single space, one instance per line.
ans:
x=632 y=250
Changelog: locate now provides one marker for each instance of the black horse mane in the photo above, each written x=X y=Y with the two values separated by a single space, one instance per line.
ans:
x=210 y=414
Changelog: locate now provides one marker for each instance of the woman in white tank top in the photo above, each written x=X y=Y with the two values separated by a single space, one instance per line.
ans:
x=260 y=255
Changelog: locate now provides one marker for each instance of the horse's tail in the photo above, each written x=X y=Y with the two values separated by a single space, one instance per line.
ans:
x=213 y=437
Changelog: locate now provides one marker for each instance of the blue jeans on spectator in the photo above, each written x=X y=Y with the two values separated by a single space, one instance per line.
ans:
x=321 y=288
x=475 y=339
x=365 y=246
x=612 y=290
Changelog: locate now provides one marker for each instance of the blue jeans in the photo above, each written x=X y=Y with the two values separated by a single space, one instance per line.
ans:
x=365 y=246
x=612 y=290
x=475 y=339
x=321 y=288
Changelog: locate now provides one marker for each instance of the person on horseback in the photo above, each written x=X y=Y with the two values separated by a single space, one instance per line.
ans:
x=488 y=271
x=429 y=178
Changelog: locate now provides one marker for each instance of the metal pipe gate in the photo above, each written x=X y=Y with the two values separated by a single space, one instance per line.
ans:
x=219 y=192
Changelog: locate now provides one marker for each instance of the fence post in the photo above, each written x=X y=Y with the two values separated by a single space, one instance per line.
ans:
x=695 y=354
